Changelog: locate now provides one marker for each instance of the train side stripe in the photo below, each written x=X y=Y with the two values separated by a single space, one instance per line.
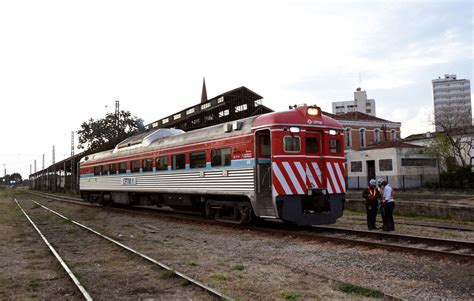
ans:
x=336 y=179
x=341 y=177
x=281 y=179
x=330 y=178
x=318 y=173
x=311 y=178
x=302 y=173
x=293 y=178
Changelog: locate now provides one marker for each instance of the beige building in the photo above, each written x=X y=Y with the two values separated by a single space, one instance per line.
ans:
x=360 y=104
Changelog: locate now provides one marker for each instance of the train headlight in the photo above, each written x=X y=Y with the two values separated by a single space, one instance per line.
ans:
x=313 y=111
x=332 y=132
x=294 y=129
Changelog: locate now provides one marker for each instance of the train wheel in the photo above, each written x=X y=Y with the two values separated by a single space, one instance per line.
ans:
x=246 y=214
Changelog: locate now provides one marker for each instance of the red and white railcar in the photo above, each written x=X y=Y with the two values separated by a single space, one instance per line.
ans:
x=283 y=165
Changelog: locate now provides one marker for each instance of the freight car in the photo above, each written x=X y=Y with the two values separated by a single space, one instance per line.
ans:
x=283 y=165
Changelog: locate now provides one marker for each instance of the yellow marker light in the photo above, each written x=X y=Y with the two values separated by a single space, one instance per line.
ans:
x=313 y=111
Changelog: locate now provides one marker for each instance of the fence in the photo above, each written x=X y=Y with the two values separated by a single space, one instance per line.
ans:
x=402 y=182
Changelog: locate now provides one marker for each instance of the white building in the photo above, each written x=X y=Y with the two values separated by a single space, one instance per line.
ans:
x=360 y=104
x=403 y=165
x=452 y=102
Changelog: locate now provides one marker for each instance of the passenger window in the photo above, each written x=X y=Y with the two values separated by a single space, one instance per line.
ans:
x=197 y=159
x=122 y=167
x=179 y=161
x=113 y=169
x=292 y=144
x=335 y=146
x=147 y=165
x=162 y=163
x=312 y=145
x=265 y=147
x=135 y=166
x=105 y=169
x=97 y=170
x=220 y=157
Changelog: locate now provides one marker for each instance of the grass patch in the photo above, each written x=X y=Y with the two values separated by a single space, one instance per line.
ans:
x=288 y=295
x=193 y=264
x=358 y=290
x=167 y=274
x=220 y=277
x=238 y=267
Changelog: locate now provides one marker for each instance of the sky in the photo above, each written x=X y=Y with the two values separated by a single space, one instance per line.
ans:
x=63 y=62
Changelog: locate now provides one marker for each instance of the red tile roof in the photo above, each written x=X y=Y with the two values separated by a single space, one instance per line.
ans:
x=356 y=116
x=390 y=144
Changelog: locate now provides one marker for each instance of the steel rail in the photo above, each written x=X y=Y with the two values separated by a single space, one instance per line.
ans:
x=61 y=261
x=146 y=257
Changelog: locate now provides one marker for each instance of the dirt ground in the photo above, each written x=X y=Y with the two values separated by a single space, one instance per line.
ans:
x=240 y=263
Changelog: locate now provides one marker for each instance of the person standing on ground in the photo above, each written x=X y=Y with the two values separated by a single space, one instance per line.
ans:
x=381 y=205
x=389 y=206
x=371 y=196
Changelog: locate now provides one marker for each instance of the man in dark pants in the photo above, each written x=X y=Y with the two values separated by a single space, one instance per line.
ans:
x=389 y=206
x=371 y=196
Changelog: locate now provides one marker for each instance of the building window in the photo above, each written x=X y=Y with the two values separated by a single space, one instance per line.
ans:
x=197 y=159
x=147 y=165
x=368 y=111
x=393 y=135
x=257 y=103
x=377 y=136
x=105 y=169
x=220 y=157
x=220 y=99
x=179 y=161
x=135 y=166
x=223 y=113
x=205 y=105
x=165 y=121
x=356 y=166
x=113 y=169
x=362 y=137
x=122 y=167
x=348 y=137
x=241 y=108
x=385 y=165
x=161 y=163
x=190 y=111
x=334 y=146
x=292 y=144
x=177 y=116
x=312 y=145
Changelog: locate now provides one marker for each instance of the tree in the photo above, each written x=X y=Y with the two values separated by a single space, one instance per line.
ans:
x=8 y=179
x=452 y=143
x=105 y=133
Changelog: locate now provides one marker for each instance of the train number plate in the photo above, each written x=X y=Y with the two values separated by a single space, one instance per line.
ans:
x=129 y=181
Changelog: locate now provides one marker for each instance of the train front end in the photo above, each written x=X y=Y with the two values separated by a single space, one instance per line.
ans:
x=307 y=165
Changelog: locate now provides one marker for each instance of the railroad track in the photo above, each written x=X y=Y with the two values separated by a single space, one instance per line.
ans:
x=419 y=245
x=170 y=273
x=420 y=224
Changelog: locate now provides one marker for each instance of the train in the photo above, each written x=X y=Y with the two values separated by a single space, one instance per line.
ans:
x=286 y=165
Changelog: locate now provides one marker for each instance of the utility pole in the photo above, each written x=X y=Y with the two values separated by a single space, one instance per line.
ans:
x=72 y=143
x=117 y=118
x=30 y=169
x=73 y=163
x=43 y=161
x=53 y=156
x=35 y=166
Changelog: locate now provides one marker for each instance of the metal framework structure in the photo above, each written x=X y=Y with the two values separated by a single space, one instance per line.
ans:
x=229 y=106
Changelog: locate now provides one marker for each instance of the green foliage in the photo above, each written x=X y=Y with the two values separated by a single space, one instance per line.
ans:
x=288 y=295
x=358 y=290
x=220 y=276
x=238 y=267
x=7 y=179
x=106 y=132
x=167 y=274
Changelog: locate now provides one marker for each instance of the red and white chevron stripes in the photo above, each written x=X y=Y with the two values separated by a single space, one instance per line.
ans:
x=295 y=177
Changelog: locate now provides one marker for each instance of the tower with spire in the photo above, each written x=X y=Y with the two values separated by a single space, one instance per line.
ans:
x=204 y=91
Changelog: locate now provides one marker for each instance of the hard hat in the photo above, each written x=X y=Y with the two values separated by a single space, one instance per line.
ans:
x=373 y=182
x=379 y=181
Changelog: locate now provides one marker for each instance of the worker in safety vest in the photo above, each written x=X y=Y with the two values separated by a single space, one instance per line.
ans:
x=371 y=195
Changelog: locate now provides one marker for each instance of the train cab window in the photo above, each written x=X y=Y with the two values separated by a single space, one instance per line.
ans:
x=113 y=169
x=122 y=167
x=335 y=146
x=105 y=169
x=147 y=164
x=312 y=145
x=162 y=163
x=292 y=143
x=135 y=166
x=179 y=161
x=97 y=170
x=197 y=159
x=220 y=157
x=265 y=147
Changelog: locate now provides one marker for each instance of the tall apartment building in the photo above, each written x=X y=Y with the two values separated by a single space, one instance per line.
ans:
x=360 y=104
x=452 y=102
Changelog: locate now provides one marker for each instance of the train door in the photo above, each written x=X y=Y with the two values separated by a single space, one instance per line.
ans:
x=314 y=164
x=370 y=170
x=263 y=164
